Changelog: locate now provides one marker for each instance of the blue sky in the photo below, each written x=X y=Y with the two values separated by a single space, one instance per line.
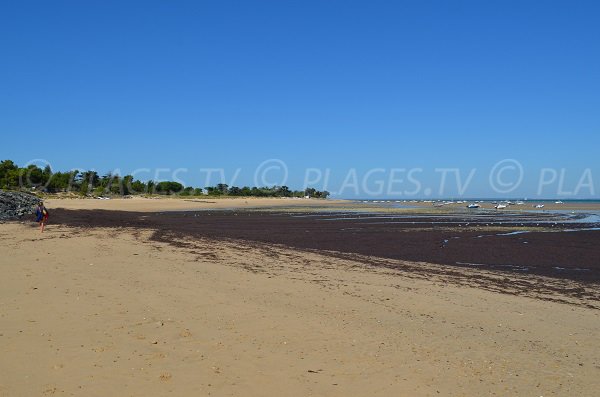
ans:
x=338 y=85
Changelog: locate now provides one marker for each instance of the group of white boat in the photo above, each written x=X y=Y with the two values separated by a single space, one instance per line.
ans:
x=504 y=204
x=477 y=204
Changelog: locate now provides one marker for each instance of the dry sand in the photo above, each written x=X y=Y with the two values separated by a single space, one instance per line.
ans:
x=143 y=204
x=111 y=313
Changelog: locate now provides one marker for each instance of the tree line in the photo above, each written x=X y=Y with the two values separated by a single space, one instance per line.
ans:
x=90 y=183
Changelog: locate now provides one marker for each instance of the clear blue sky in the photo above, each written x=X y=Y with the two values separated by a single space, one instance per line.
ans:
x=324 y=84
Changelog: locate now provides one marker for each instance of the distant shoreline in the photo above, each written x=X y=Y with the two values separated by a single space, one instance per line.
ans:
x=168 y=203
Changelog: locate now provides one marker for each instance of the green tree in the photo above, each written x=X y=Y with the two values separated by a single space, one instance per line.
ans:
x=5 y=166
x=13 y=178
x=283 y=191
x=310 y=192
x=168 y=187
x=235 y=191
x=151 y=187
x=111 y=184
x=33 y=176
x=126 y=183
x=89 y=181
x=213 y=191
x=117 y=186
x=138 y=187
x=223 y=188
x=187 y=191
x=62 y=181
x=46 y=174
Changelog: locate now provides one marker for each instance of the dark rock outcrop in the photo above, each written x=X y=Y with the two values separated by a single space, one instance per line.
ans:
x=15 y=204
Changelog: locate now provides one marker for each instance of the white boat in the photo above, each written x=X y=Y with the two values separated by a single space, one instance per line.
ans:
x=473 y=206
x=500 y=206
x=539 y=206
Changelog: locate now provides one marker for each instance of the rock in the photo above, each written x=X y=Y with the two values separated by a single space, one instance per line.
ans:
x=16 y=204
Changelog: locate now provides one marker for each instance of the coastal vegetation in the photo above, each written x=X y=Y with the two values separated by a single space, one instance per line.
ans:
x=89 y=183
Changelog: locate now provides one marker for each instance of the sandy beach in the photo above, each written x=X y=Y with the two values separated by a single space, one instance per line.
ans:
x=143 y=204
x=150 y=204
x=299 y=199
x=96 y=311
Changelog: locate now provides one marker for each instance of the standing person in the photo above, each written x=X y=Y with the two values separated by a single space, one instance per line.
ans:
x=42 y=215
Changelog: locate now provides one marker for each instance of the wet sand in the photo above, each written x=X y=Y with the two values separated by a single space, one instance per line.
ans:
x=486 y=241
